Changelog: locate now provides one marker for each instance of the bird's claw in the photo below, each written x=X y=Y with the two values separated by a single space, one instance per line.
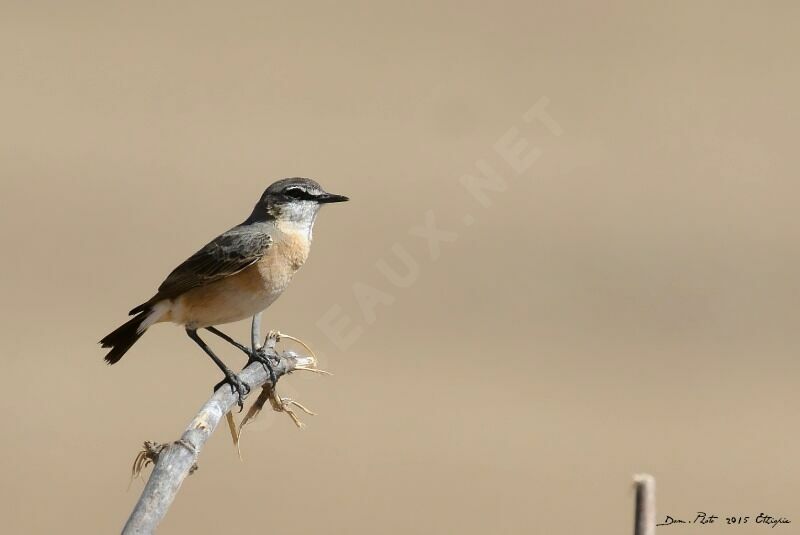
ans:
x=265 y=358
x=238 y=387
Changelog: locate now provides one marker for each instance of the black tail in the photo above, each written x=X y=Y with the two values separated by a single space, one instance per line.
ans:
x=121 y=340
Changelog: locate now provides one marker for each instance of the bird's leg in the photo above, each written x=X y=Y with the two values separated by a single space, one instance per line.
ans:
x=236 y=384
x=268 y=345
x=230 y=340
x=255 y=332
x=259 y=355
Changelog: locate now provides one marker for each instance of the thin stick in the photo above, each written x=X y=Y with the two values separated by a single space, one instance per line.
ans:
x=645 y=521
x=176 y=460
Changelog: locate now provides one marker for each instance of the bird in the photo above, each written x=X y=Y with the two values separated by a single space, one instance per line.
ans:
x=235 y=276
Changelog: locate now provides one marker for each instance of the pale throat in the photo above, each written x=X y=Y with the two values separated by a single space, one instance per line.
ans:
x=302 y=228
x=297 y=219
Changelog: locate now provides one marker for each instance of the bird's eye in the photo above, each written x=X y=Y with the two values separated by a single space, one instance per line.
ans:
x=295 y=193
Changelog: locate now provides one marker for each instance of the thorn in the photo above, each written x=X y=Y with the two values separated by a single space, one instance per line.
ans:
x=234 y=433
x=313 y=370
x=147 y=456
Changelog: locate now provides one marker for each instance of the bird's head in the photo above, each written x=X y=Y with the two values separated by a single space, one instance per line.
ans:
x=294 y=202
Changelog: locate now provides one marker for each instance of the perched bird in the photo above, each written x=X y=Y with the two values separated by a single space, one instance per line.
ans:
x=236 y=275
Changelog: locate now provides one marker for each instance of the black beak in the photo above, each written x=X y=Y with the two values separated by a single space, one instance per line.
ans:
x=326 y=198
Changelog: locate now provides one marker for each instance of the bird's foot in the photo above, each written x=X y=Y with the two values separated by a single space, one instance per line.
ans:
x=238 y=387
x=268 y=358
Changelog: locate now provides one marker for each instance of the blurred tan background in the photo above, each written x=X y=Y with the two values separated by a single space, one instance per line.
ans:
x=628 y=304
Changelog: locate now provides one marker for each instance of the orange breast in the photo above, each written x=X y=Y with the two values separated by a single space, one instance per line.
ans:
x=286 y=256
x=246 y=293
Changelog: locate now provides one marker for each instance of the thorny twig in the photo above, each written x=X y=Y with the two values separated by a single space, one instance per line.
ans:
x=269 y=393
x=174 y=461
x=147 y=456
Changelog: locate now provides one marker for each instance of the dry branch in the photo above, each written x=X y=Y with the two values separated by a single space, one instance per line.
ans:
x=176 y=460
